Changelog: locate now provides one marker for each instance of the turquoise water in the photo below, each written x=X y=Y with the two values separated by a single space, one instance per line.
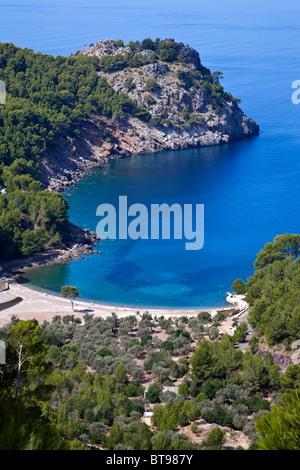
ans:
x=250 y=189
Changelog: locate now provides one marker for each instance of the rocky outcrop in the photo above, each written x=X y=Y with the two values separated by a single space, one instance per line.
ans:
x=186 y=103
x=80 y=243
x=282 y=360
x=109 y=47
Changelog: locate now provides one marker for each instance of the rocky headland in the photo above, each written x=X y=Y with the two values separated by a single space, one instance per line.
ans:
x=187 y=105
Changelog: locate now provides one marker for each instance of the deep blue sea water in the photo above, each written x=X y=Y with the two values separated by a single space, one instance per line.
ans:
x=250 y=189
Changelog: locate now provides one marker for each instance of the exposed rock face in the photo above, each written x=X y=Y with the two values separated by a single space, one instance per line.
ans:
x=110 y=47
x=106 y=47
x=187 y=105
x=279 y=358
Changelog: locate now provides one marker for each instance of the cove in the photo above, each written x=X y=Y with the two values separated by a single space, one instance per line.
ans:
x=242 y=212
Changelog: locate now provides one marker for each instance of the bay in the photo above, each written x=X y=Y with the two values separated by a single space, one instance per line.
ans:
x=250 y=189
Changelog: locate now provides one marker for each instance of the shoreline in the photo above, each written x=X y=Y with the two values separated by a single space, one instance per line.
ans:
x=44 y=306
x=137 y=308
x=81 y=246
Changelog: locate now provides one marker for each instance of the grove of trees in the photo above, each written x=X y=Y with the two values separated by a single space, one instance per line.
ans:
x=273 y=292
x=73 y=384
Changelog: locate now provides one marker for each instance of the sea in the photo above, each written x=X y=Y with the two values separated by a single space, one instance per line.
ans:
x=249 y=189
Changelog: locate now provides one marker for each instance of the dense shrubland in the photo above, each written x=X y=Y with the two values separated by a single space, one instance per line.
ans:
x=90 y=383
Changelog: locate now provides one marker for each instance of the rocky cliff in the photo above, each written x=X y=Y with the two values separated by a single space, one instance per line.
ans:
x=186 y=104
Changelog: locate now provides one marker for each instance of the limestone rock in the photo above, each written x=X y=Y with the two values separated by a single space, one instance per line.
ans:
x=183 y=111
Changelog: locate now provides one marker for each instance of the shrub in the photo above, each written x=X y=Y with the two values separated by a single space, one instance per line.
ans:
x=194 y=427
x=145 y=339
x=149 y=362
x=219 y=414
x=120 y=43
x=239 y=286
x=210 y=388
x=104 y=352
x=129 y=83
x=215 y=440
x=151 y=84
x=204 y=317
x=184 y=390
x=185 y=113
x=153 y=393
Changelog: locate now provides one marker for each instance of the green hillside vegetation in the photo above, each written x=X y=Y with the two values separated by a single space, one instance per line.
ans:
x=82 y=384
x=273 y=292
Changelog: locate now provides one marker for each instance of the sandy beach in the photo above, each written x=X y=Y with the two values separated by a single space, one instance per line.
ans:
x=44 y=306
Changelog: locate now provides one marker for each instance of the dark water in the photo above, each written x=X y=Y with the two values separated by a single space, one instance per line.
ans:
x=250 y=189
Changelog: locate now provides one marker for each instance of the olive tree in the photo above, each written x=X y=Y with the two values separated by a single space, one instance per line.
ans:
x=71 y=293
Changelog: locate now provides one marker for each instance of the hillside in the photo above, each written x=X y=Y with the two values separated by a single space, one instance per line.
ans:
x=143 y=382
x=139 y=383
